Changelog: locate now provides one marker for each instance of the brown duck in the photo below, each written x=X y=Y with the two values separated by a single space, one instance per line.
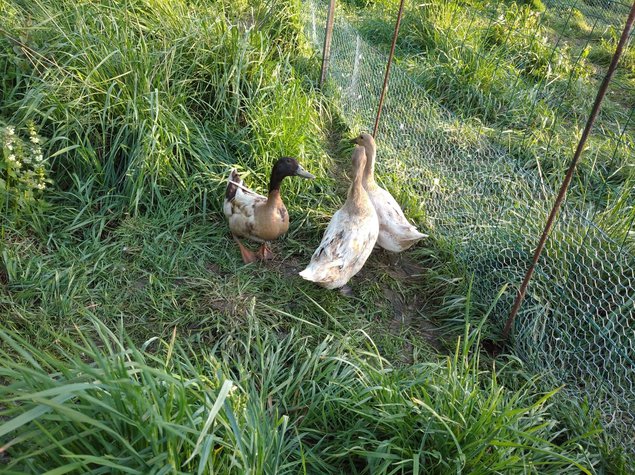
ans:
x=256 y=217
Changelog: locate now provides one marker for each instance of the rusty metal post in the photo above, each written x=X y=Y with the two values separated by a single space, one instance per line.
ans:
x=326 y=51
x=387 y=74
x=567 y=179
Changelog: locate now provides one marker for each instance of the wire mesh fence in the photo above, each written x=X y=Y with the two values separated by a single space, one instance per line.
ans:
x=577 y=324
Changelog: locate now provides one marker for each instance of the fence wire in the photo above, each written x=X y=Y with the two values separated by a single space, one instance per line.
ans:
x=577 y=324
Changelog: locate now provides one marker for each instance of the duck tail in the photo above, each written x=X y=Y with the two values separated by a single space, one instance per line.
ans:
x=411 y=233
x=411 y=237
x=313 y=274
x=320 y=273
x=419 y=234
x=232 y=180
x=307 y=274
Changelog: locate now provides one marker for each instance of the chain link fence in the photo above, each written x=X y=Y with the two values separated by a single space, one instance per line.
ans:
x=577 y=323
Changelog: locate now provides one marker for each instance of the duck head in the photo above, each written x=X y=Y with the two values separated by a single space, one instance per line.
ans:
x=284 y=167
x=368 y=142
x=365 y=140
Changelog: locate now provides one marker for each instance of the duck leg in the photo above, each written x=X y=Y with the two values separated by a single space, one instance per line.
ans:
x=247 y=255
x=347 y=291
x=264 y=253
x=392 y=257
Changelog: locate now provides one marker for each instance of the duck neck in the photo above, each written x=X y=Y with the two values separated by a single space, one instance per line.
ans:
x=274 y=194
x=273 y=199
x=356 y=191
x=369 y=169
x=275 y=181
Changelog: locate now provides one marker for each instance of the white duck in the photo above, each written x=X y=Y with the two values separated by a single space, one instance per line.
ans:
x=396 y=234
x=350 y=236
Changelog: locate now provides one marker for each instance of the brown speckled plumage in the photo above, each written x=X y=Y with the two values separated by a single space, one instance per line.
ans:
x=253 y=216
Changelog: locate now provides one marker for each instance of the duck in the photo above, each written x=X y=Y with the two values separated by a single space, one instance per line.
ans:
x=349 y=237
x=396 y=233
x=256 y=217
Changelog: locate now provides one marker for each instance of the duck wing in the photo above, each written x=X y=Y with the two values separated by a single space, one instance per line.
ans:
x=396 y=233
x=236 y=188
x=240 y=206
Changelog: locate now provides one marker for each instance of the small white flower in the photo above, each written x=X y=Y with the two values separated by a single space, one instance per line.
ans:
x=35 y=139
x=11 y=158
x=10 y=130
x=40 y=186
x=436 y=181
x=39 y=157
x=9 y=146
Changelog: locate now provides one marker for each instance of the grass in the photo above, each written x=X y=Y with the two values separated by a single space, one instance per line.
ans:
x=523 y=71
x=109 y=104
x=518 y=77
x=271 y=404
x=135 y=341
x=517 y=86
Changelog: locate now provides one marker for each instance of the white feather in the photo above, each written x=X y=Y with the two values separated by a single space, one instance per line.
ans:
x=240 y=210
x=345 y=247
x=396 y=233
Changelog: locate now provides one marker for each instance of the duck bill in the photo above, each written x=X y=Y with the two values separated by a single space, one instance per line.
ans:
x=301 y=172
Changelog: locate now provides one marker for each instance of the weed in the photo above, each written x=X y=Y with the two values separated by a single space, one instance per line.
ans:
x=23 y=170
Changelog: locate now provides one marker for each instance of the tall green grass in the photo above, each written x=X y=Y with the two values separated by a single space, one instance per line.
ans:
x=270 y=404
x=141 y=98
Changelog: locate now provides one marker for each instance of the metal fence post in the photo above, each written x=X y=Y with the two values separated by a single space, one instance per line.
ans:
x=326 y=51
x=387 y=74
x=567 y=179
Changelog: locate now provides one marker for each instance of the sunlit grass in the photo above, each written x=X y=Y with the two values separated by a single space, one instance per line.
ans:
x=271 y=404
x=523 y=71
x=139 y=99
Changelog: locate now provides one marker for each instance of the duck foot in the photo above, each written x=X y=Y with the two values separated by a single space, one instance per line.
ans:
x=346 y=291
x=247 y=255
x=264 y=253
x=392 y=258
